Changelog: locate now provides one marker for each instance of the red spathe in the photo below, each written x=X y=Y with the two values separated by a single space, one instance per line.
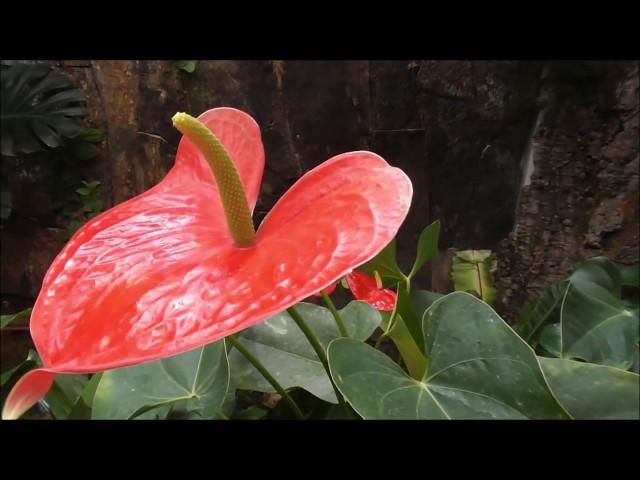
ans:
x=159 y=274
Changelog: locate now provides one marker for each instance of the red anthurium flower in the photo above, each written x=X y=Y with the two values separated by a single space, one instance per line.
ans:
x=367 y=289
x=160 y=274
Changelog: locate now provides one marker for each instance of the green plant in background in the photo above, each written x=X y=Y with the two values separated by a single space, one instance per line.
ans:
x=84 y=146
x=42 y=113
x=8 y=319
x=591 y=315
x=90 y=200
x=188 y=66
x=472 y=271
x=40 y=109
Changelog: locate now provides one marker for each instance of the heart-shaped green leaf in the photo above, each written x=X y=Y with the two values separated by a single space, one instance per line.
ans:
x=422 y=300
x=284 y=350
x=478 y=368
x=199 y=377
x=596 y=326
x=593 y=392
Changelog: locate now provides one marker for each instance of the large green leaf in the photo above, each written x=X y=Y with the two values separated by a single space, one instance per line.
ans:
x=539 y=312
x=40 y=109
x=284 y=350
x=385 y=263
x=199 y=377
x=422 y=300
x=471 y=272
x=427 y=247
x=478 y=368
x=7 y=319
x=595 y=325
x=590 y=391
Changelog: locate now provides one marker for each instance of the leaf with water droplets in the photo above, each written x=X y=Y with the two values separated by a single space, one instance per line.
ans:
x=477 y=368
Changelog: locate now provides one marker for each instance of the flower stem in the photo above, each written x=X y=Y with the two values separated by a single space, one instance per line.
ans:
x=319 y=349
x=332 y=308
x=268 y=377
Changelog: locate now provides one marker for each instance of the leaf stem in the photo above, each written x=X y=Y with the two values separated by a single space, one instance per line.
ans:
x=319 y=349
x=267 y=375
x=332 y=308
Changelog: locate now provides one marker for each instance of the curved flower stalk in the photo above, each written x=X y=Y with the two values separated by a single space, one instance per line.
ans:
x=162 y=273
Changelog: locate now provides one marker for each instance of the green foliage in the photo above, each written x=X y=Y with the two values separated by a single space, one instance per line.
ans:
x=40 y=109
x=458 y=358
x=472 y=271
x=427 y=247
x=8 y=319
x=90 y=205
x=539 y=312
x=595 y=315
x=478 y=368
x=197 y=379
x=42 y=113
x=280 y=346
x=385 y=264
x=188 y=66
x=29 y=363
